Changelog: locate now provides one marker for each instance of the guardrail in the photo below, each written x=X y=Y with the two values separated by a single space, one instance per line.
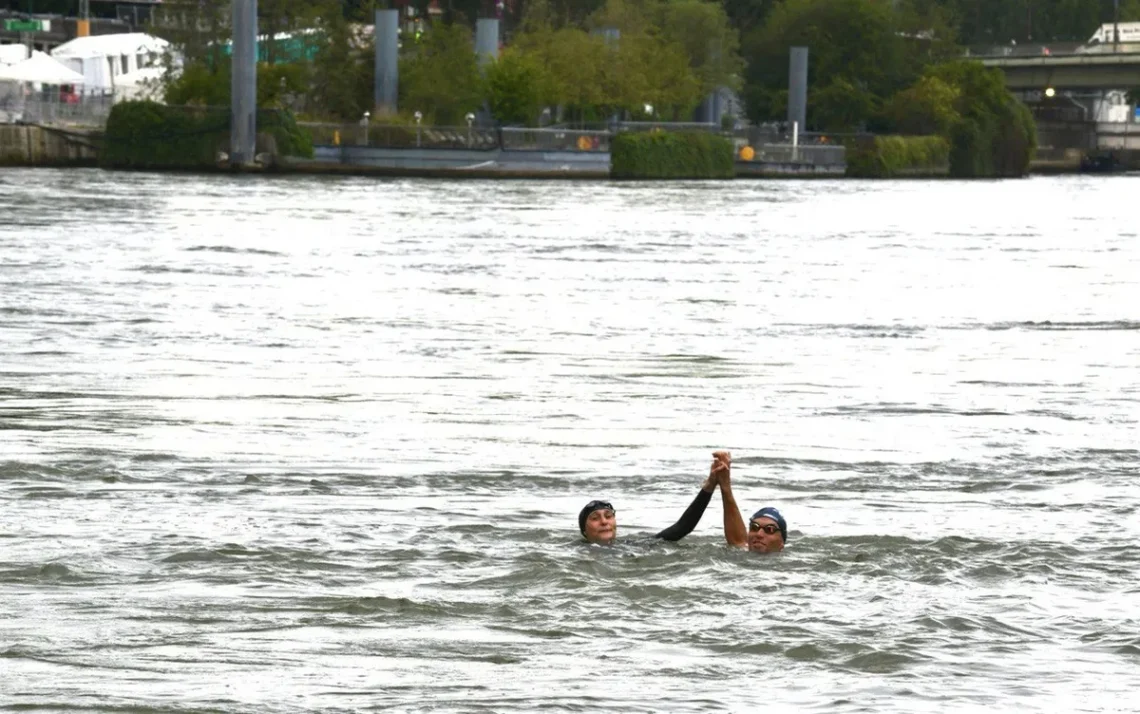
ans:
x=401 y=136
x=767 y=146
x=516 y=139
x=815 y=154
x=73 y=110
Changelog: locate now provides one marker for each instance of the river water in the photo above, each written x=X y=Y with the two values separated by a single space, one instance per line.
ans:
x=293 y=444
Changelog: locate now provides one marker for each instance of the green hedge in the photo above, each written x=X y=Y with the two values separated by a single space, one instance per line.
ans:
x=887 y=156
x=148 y=135
x=671 y=155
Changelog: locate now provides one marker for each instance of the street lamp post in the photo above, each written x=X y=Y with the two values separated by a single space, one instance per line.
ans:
x=470 y=118
x=418 y=117
x=364 y=123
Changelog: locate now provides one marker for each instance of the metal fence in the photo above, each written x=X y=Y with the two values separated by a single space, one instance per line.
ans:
x=667 y=126
x=83 y=110
x=517 y=139
x=814 y=154
x=402 y=136
x=767 y=146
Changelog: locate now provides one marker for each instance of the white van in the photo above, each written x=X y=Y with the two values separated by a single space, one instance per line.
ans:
x=1129 y=32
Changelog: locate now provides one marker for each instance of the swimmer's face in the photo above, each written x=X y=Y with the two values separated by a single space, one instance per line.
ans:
x=601 y=526
x=764 y=536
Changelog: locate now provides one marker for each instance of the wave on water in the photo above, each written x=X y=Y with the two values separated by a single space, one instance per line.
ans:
x=226 y=249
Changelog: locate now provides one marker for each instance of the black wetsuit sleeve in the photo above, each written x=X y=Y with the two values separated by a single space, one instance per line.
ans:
x=689 y=519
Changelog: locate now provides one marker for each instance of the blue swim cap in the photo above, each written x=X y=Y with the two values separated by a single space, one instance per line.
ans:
x=769 y=512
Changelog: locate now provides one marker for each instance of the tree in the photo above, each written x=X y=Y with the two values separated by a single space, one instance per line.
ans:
x=857 y=40
x=440 y=76
x=747 y=15
x=840 y=106
x=200 y=85
x=275 y=17
x=515 y=85
x=926 y=107
x=643 y=69
x=573 y=61
x=712 y=45
x=630 y=17
x=342 y=71
x=196 y=31
x=994 y=134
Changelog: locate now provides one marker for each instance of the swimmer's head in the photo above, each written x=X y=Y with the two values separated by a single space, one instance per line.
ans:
x=598 y=522
x=767 y=531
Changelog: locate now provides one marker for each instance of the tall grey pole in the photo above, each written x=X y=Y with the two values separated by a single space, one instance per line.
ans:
x=486 y=50
x=486 y=39
x=384 y=91
x=243 y=83
x=797 y=87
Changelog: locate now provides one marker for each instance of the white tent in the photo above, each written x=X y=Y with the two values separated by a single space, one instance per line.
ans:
x=40 y=69
x=11 y=54
x=103 y=59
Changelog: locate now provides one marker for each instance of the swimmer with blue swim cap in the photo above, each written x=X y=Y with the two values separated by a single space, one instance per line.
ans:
x=767 y=530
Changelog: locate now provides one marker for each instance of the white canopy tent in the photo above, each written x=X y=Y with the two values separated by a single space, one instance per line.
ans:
x=40 y=68
x=20 y=82
x=11 y=54
x=104 y=59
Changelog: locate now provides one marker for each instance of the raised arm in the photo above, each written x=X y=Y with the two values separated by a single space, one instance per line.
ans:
x=692 y=515
x=734 y=530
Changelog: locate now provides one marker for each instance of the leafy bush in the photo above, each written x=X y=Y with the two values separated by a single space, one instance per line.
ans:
x=669 y=155
x=887 y=156
x=148 y=135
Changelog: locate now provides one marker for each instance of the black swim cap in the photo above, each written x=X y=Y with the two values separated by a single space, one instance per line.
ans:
x=590 y=508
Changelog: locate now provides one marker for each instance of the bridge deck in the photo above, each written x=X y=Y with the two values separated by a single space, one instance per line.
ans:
x=1116 y=70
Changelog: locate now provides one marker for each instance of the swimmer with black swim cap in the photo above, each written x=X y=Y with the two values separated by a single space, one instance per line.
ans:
x=598 y=520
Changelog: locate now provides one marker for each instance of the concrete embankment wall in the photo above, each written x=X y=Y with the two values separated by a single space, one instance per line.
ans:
x=28 y=145
x=454 y=162
x=498 y=163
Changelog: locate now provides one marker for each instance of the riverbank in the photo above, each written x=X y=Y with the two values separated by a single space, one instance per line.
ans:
x=33 y=145
x=30 y=145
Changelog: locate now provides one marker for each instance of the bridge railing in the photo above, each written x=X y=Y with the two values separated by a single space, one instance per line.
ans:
x=1026 y=50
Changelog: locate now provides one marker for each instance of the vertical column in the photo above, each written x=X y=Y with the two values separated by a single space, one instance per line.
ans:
x=486 y=39
x=385 y=90
x=243 y=83
x=486 y=50
x=797 y=87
